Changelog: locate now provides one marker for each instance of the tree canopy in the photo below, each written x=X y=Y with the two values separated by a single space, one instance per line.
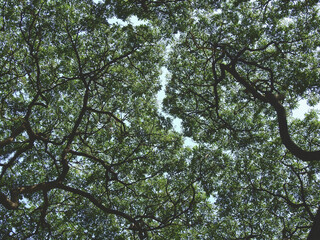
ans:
x=88 y=152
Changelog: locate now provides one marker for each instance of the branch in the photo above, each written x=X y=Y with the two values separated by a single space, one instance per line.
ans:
x=284 y=133
x=281 y=116
x=109 y=114
x=14 y=134
x=315 y=230
x=137 y=225
x=10 y=204
x=13 y=203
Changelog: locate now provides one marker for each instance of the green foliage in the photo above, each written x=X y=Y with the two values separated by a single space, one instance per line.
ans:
x=86 y=152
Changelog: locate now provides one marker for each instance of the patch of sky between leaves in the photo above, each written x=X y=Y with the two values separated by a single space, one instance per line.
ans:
x=177 y=126
x=303 y=109
x=133 y=20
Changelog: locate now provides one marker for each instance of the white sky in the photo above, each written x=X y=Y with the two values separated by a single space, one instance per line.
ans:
x=303 y=108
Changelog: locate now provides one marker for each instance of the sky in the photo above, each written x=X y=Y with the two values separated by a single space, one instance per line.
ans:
x=304 y=108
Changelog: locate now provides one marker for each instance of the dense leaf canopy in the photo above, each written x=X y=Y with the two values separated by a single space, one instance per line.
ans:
x=87 y=151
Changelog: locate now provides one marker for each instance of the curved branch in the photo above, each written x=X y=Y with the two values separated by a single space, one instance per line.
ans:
x=281 y=116
x=284 y=132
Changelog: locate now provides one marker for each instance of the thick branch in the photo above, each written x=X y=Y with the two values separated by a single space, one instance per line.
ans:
x=14 y=134
x=10 y=204
x=285 y=136
x=281 y=115
x=13 y=203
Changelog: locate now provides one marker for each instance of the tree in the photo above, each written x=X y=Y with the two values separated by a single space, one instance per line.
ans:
x=86 y=151
x=236 y=74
